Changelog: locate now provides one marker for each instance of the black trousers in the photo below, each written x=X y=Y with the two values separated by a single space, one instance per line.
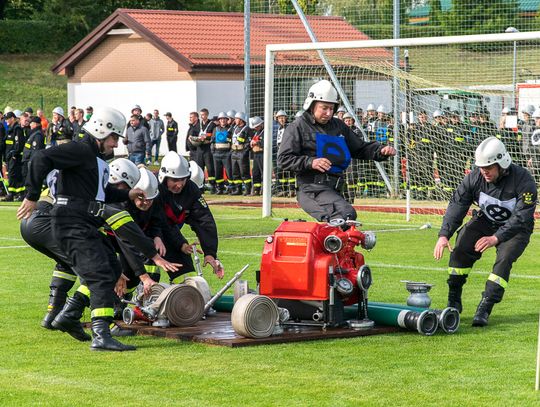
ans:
x=37 y=232
x=175 y=255
x=15 y=176
x=257 y=172
x=324 y=202
x=171 y=143
x=240 y=165
x=464 y=256
x=203 y=158
x=90 y=253
x=222 y=160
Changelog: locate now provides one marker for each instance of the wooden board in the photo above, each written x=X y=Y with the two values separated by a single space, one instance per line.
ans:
x=217 y=330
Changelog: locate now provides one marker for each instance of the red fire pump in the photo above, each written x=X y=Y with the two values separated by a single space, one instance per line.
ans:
x=314 y=270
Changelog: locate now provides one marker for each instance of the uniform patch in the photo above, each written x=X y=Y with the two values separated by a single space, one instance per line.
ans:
x=203 y=202
x=527 y=198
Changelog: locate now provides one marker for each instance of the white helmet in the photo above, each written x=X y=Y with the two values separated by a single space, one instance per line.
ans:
x=255 y=122
x=123 y=170
x=222 y=115
x=197 y=174
x=492 y=151
x=381 y=109
x=322 y=91
x=369 y=107
x=173 y=165
x=529 y=109
x=437 y=113
x=104 y=122
x=8 y=109
x=536 y=114
x=17 y=113
x=148 y=183
x=241 y=116
x=281 y=113
x=341 y=109
x=348 y=116
x=231 y=114
x=58 y=110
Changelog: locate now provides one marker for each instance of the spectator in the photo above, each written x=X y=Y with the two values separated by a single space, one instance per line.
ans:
x=137 y=140
x=77 y=125
x=172 y=132
x=88 y=115
x=44 y=121
x=157 y=128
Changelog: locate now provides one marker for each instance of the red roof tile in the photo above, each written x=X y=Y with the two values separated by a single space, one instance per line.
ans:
x=199 y=39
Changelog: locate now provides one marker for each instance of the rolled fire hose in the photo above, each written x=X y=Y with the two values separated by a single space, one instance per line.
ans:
x=254 y=316
x=181 y=304
x=449 y=318
x=424 y=322
x=200 y=284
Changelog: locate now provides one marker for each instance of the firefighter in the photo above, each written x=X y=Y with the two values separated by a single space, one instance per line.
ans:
x=82 y=189
x=241 y=136
x=59 y=130
x=318 y=148
x=183 y=203
x=14 y=145
x=192 y=136
x=221 y=150
x=256 y=124
x=506 y=195
x=285 y=183
x=205 y=160
x=420 y=149
x=353 y=180
x=3 y=164
x=531 y=145
x=34 y=142
x=171 y=131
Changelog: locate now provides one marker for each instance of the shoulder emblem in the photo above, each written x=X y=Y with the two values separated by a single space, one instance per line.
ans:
x=203 y=202
x=527 y=198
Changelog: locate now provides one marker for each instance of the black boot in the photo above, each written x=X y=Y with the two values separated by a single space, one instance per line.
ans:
x=117 y=331
x=482 y=312
x=455 y=287
x=102 y=339
x=57 y=300
x=69 y=319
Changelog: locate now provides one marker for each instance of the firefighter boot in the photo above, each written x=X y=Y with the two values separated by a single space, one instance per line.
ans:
x=69 y=319
x=102 y=339
x=57 y=300
x=237 y=189
x=116 y=330
x=455 y=287
x=482 y=312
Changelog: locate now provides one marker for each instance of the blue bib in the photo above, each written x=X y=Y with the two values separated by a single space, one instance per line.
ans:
x=221 y=136
x=335 y=149
x=382 y=135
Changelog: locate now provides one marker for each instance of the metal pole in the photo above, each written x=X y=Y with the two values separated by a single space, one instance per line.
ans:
x=396 y=100
x=337 y=84
x=247 y=57
x=268 y=117
x=514 y=77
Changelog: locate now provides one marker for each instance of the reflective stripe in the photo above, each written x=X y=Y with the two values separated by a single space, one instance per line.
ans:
x=247 y=181
x=26 y=145
x=9 y=142
x=456 y=271
x=121 y=222
x=102 y=312
x=65 y=276
x=257 y=184
x=498 y=280
x=117 y=216
x=130 y=290
x=425 y=140
x=84 y=290
x=219 y=181
x=211 y=178
x=16 y=190
x=150 y=268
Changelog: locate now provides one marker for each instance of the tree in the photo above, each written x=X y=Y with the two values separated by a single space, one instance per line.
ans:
x=307 y=6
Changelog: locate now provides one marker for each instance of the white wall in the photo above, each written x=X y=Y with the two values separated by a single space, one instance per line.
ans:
x=177 y=97
x=220 y=96
x=376 y=92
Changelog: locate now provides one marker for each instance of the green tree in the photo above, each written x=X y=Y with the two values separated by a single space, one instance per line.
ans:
x=308 y=6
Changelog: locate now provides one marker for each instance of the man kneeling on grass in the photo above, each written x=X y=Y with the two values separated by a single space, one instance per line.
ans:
x=506 y=195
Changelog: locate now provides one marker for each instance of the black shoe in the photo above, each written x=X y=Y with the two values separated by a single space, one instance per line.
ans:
x=455 y=288
x=212 y=189
x=69 y=319
x=219 y=191
x=8 y=198
x=102 y=339
x=483 y=311
x=57 y=300
x=117 y=331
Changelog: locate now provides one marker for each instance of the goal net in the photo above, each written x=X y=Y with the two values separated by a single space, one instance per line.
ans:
x=444 y=96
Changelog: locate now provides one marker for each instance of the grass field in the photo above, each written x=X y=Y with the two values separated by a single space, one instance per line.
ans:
x=475 y=367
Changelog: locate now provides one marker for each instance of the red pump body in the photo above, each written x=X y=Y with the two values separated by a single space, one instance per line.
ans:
x=295 y=264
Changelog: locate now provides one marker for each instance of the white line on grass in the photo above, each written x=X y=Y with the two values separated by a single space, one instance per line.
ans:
x=14 y=247
x=12 y=238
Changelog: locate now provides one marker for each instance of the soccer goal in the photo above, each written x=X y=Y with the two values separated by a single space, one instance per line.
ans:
x=435 y=105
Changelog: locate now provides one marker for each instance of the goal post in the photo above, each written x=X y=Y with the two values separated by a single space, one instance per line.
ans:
x=420 y=91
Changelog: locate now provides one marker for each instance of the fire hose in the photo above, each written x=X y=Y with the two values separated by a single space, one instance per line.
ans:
x=254 y=316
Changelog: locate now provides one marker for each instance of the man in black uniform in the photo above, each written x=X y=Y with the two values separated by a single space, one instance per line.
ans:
x=14 y=145
x=318 y=148
x=171 y=132
x=506 y=195
x=34 y=142
x=183 y=203
x=205 y=159
x=82 y=190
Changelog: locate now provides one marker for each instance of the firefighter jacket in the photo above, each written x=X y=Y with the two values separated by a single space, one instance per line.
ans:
x=83 y=173
x=35 y=141
x=240 y=138
x=14 y=143
x=257 y=142
x=190 y=207
x=172 y=128
x=206 y=130
x=305 y=140
x=59 y=131
x=221 y=139
x=508 y=203
x=77 y=130
x=2 y=142
x=192 y=137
